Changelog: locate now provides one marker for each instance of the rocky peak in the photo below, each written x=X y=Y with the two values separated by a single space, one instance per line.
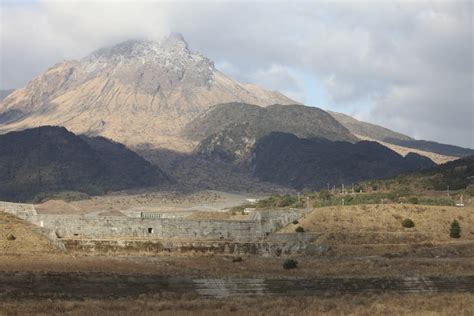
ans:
x=173 y=47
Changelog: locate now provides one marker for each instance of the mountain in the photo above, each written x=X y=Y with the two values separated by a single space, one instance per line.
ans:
x=140 y=93
x=228 y=132
x=51 y=159
x=5 y=93
x=367 y=129
x=457 y=174
x=314 y=163
x=440 y=153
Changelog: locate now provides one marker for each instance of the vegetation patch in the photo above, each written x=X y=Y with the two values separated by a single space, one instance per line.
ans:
x=455 y=231
x=299 y=229
x=408 y=223
x=289 y=264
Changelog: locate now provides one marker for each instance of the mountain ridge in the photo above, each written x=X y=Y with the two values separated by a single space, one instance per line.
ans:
x=401 y=143
x=51 y=159
x=140 y=93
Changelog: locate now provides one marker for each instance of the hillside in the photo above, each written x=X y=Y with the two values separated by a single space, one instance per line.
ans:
x=51 y=159
x=315 y=163
x=228 y=132
x=440 y=153
x=455 y=175
x=139 y=93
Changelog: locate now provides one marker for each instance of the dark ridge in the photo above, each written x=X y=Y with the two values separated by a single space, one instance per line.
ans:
x=52 y=159
x=313 y=163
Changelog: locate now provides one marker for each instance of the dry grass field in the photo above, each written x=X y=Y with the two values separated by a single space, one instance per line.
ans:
x=168 y=304
x=18 y=237
x=377 y=229
x=365 y=241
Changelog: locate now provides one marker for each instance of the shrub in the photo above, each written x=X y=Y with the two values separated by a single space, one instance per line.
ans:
x=295 y=222
x=237 y=259
x=287 y=200
x=408 y=223
x=413 y=200
x=290 y=264
x=299 y=229
x=455 y=231
x=470 y=189
x=11 y=237
x=325 y=195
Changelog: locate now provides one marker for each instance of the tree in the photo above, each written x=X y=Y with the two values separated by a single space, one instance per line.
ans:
x=325 y=195
x=455 y=231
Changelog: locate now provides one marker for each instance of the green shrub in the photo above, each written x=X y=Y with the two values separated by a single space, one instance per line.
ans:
x=299 y=229
x=455 y=231
x=325 y=195
x=413 y=200
x=470 y=189
x=295 y=222
x=408 y=223
x=287 y=200
x=290 y=264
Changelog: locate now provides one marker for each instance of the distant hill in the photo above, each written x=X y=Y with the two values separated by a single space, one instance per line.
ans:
x=314 y=163
x=228 y=132
x=52 y=159
x=456 y=175
x=370 y=131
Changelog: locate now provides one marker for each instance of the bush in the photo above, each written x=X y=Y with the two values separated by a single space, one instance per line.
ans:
x=470 y=189
x=413 y=200
x=295 y=222
x=299 y=229
x=11 y=237
x=455 y=231
x=325 y=195
x=290 y=264
x=287 y=200
x=237 y=259
x=408 y=223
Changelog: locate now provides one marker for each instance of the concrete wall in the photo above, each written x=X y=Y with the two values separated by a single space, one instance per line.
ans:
x=120 y=226
x=23 y=211
x=259 y=225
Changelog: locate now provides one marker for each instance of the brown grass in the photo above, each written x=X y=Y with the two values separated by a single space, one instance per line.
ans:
x=25 y=239
x=167 y=304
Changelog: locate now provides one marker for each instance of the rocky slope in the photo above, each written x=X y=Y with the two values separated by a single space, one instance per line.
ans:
x=400 y=143
x=228 y=132
x=51 y=159
x=139 y=93
x=313 y=163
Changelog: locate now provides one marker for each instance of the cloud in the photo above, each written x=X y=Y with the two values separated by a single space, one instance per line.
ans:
x=404 y=65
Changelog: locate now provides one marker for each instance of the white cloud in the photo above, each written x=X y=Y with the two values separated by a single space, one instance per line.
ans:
x=411 y=60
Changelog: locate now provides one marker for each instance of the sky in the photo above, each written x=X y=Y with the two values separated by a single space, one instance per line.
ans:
x=405 y=65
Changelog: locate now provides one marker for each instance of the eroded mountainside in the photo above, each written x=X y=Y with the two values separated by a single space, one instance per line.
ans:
x=51 y=159
x=228 y=132
x=136 y=92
